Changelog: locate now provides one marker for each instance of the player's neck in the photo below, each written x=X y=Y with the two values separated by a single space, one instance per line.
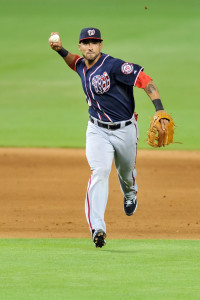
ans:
x=89 y=64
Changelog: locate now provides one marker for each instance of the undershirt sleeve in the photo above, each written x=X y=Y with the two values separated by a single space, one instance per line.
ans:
x=142 y=80
x=74 y=63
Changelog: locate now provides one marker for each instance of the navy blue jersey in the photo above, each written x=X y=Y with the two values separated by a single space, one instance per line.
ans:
x=108 y=86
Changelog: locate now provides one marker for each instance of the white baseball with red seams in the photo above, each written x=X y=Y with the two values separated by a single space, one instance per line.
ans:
x=54 y=38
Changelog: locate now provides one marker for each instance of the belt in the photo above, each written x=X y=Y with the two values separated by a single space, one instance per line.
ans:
x=110 y=126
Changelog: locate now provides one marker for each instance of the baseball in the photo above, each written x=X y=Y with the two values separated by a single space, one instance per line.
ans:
x=54 y=38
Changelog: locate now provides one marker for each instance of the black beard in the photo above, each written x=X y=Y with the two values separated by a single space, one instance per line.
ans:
x=90 y=61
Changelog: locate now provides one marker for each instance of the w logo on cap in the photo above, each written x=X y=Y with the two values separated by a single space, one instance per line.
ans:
x=91 y=32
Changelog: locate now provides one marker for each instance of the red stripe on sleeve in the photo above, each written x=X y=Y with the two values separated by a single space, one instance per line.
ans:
x=142 y=80
x=73 y=64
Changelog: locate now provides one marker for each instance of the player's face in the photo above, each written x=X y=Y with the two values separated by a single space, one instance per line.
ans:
x=91 y=50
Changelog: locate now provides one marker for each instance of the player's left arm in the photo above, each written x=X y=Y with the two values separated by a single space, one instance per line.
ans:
x=145 y=82
x=152 y=90
x=154 y=95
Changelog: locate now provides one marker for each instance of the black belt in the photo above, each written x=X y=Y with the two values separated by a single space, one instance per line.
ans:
x=110 y=126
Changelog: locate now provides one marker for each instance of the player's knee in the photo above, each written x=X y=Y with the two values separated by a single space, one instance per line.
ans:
x=102 y=172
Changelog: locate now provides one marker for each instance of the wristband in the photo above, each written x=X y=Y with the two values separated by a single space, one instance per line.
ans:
x=158 y=105
x=63 y=52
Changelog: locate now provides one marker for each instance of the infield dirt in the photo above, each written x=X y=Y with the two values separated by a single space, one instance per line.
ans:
x=42 y=194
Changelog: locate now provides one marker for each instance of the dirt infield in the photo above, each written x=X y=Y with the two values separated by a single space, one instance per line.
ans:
x=42 y=194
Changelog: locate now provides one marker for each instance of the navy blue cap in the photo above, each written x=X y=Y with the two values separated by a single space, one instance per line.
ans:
x=90 y=33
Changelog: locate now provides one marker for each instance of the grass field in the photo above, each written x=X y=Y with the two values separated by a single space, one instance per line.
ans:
x=51 y=269
x=42 y=103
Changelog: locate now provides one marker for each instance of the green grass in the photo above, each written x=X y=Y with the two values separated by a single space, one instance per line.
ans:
x=41 y=101
x=48 y=269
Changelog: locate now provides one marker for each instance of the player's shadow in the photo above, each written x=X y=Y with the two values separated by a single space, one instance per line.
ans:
x=119 y=251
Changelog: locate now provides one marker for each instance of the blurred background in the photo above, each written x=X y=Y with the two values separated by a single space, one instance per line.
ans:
x=41 y=100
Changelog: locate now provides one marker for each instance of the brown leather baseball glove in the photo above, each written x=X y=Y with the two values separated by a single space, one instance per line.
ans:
x=157 y=137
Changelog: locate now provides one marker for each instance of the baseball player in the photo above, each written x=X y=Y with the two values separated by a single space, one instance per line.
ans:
x=112 y=130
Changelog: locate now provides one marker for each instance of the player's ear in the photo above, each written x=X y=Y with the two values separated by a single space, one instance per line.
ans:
x=79 y=47
x=101 y=46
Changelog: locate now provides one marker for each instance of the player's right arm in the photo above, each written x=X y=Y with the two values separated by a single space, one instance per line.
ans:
x=68 y=57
